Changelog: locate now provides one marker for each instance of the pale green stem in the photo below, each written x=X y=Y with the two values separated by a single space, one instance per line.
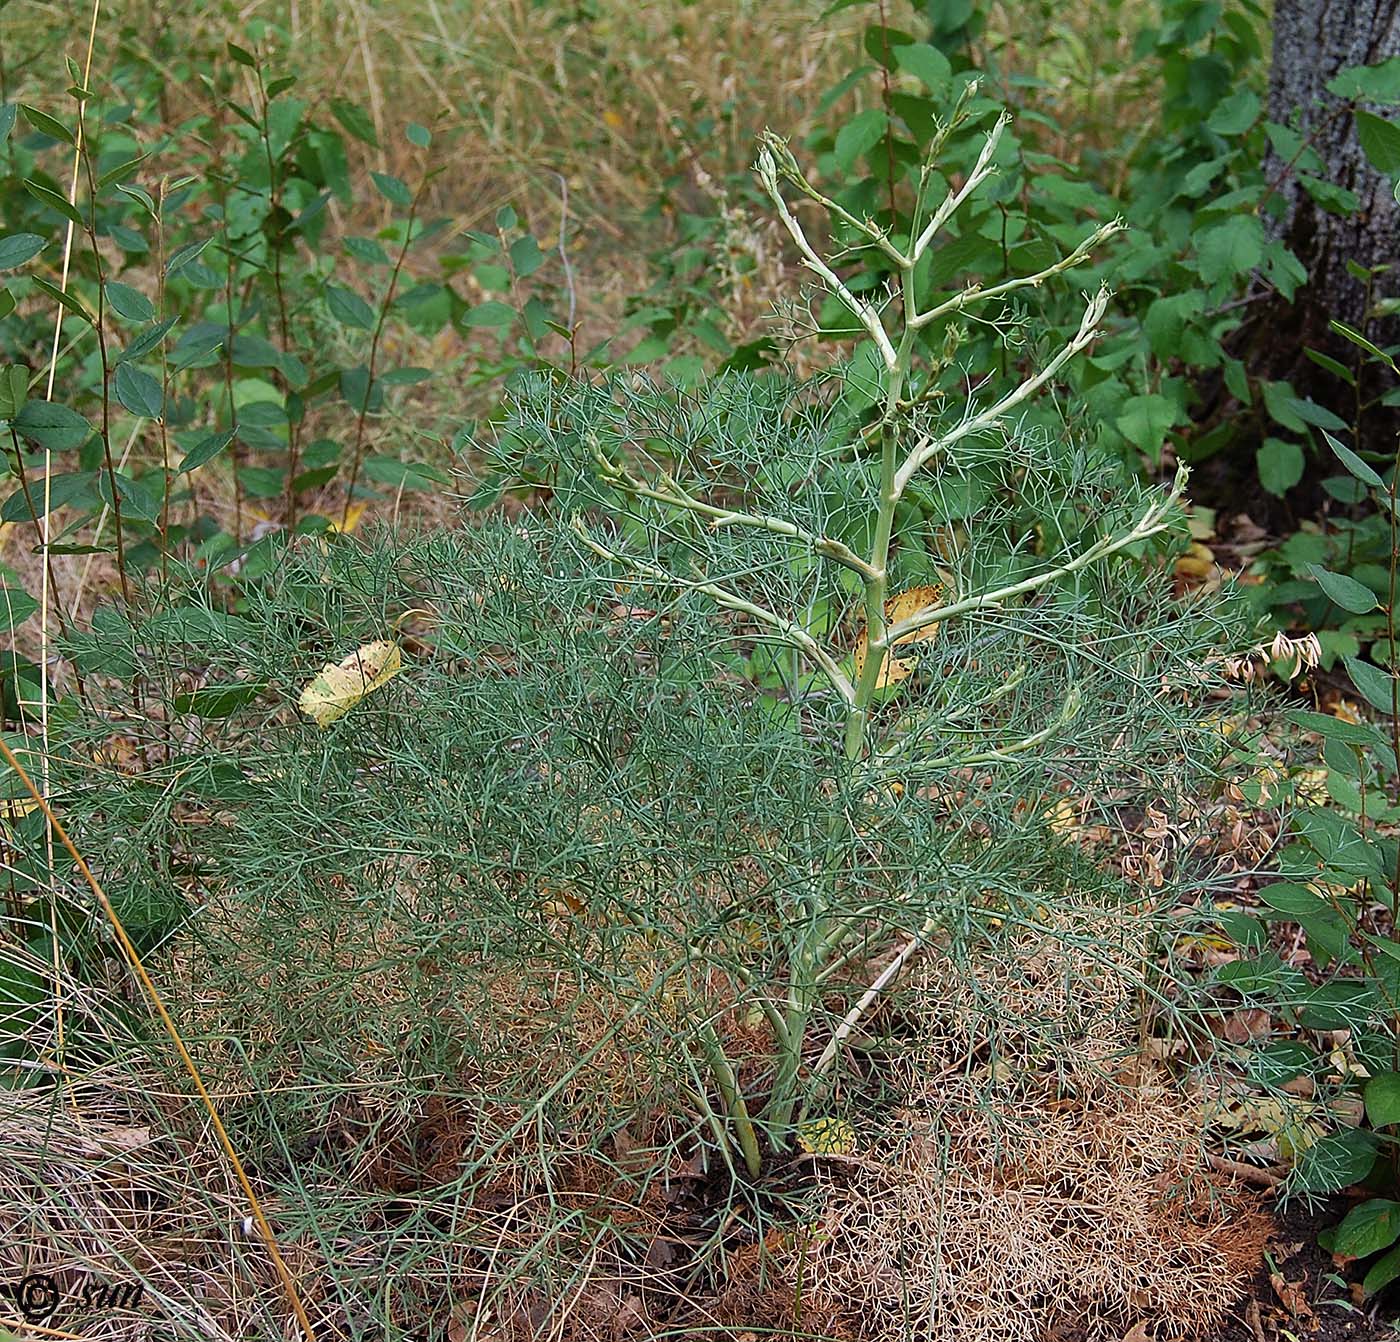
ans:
x=790 y=632
x=733 y=1098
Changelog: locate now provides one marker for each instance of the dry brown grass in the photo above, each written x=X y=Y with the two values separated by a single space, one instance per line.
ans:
x=1036 y=1179
x=1039 y=1181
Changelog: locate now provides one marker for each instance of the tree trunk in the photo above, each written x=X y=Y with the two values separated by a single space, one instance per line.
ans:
x=1313 y=41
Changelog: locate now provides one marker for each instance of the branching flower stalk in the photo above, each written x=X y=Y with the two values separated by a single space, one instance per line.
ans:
x=908 y=448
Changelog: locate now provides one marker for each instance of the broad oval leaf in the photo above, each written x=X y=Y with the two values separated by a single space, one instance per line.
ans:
x=1379 y=140
x=349 y=308
x=52 y=426
x=18 y=248
x=1372 y=1226
x=1345 y=592
x=14 y=389
x=138 y=391
x=206 y=449
x=859 y=135
x=1336 y=1162
x=1383 y=1099
x=129 y=303
x=1383 y=1272
x=1374 y=685
x=1280 y=465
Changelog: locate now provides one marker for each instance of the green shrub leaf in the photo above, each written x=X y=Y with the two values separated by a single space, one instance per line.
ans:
x=355 y=120
x=206 y=449
x=1280 y=465
x=1231 y=249
x=14 y=389
x=48 y=125
x=1336 y=1161
x=1380 y=141
x=392 y=189
x=1383 y=1099
x=18 y=248
x=1365 y=1229
x=1373 y=684
x=1236 y=114
x=490 y=313
x=858 y=136
x=138 y=391
x=129 y=303
x=348 y=308
x=926 y=63
x=1353 y=463
x=1345 y=592
x=1145 y=420
x=54 y=201
x=52 y=426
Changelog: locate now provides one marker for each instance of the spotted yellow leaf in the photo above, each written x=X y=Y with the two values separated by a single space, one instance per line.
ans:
x=901 y=606
x=827 y=1137
x=341 y=685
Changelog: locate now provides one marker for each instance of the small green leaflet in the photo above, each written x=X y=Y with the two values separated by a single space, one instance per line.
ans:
x=18 y=248
x=63 y=298
x=392 y=189
x=348 y=308
x=52 y=426
x=1373 y=1225
x=54 y=201
x=1235 y=114
x=1342 y=591
x=1383 y=1099
x=1374 y=685
x=1280 y=465
x=1353 y=463
x=926 y=63
x=355 y=120
x=129 y=303
x=147 y=340
x=14 y=389
x=138 y=391
x=859 y=135
x=1380 y=141
x=47 y=125
x=16 y=606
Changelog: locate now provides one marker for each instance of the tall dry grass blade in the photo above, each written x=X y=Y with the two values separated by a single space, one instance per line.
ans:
x=157 y=1001
x=45 y=596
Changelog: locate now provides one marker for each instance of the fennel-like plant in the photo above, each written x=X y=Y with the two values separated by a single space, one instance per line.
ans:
x=782 y=506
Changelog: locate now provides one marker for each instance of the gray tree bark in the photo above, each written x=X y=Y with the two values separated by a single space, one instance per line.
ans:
x=1313 y=41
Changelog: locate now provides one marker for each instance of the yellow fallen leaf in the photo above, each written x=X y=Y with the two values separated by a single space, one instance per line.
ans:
x=352 y=519
x=827 y=1137
x=1063 y=816
x=1198 y=562
x=901 y=606
x=342 y=685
